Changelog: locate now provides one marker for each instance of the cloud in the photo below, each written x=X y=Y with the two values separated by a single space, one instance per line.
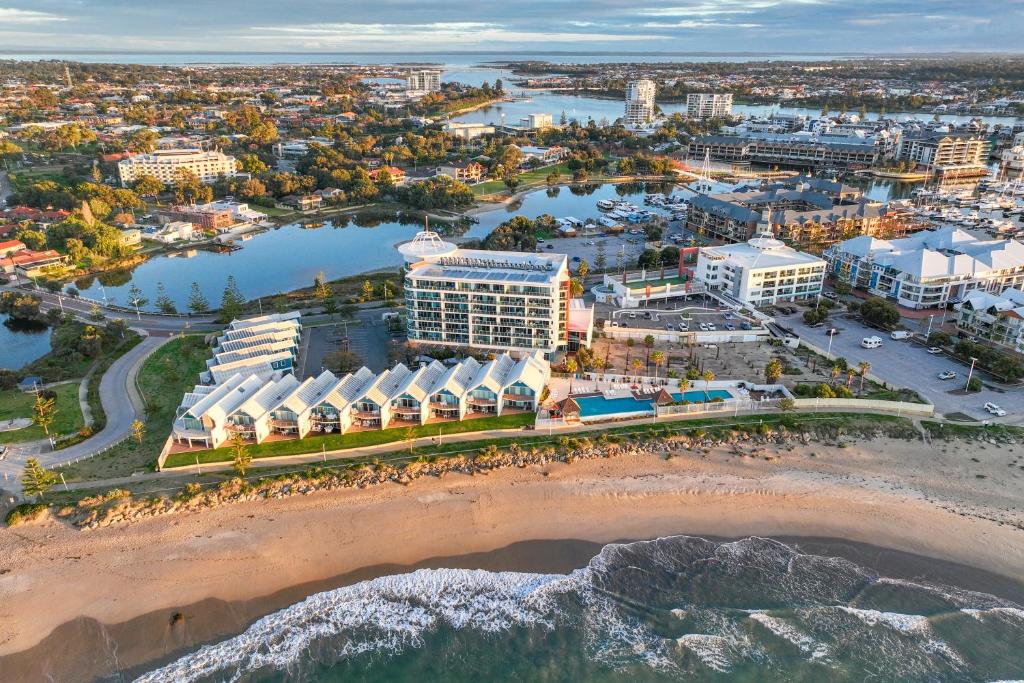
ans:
x=696 y=23
x=452 y=33
x=10 y=15
x=709 y=8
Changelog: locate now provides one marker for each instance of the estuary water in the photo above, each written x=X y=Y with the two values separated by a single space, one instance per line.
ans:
x=677 y=608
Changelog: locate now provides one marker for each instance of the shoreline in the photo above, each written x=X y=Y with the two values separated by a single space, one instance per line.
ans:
x=887 y=493
x=154 y=639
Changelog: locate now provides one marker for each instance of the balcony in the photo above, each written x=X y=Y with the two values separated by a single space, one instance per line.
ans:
x=284 y=424
x=406 y=410
x=366 y=414
x=482 y=401
x=523 y=398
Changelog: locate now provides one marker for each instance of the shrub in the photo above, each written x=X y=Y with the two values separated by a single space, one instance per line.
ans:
x=26 y=512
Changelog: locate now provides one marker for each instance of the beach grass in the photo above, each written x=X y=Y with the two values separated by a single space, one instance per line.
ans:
x=336 y=442
x=163 y=379
x=15 y=404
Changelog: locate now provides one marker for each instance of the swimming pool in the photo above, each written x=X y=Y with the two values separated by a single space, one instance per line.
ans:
x=593 y=406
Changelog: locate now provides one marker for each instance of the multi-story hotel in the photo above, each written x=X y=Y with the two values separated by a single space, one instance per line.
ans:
x=639 y=102
x=761 y=271
x=164 y=164
x=508 y=301
x=708 y=105
x=280 y=406
x=929 y=269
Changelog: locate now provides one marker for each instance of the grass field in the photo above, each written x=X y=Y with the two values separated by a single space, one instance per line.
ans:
x=334 y=442
x=163 y=380
x=14 y=404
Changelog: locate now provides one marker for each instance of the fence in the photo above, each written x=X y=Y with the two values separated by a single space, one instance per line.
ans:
x=898 y=407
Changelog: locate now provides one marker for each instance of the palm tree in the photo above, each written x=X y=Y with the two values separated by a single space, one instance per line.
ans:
x=708 y=377
x=863 y=366
x=571 y=366
x=773 y=371
x=576 y=288
x=850 y=374
x=630 y=343
x=658 y=357
x=638 y=365
x=834 y=374
x=649 y=344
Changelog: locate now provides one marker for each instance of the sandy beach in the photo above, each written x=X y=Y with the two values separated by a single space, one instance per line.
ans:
x=954 y=501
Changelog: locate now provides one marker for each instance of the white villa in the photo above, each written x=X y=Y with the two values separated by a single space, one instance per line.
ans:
x=280 y=406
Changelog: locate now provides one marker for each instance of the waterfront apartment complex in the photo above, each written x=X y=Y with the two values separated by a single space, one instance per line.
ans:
x=997 y=318
x=942 y=149
x=789 y=149
x=639 y=102
x=708 y=105
x=164 y=165
x=929 y=269
x=805 y=211
x=506 y=301
x=761 y=271
x=262 y=346
x=424 y=80
x=280 y=406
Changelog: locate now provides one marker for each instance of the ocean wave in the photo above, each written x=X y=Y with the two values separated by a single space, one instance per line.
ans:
x=679 y=607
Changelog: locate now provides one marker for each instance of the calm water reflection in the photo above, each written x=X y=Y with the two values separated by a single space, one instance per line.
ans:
x=21 y=344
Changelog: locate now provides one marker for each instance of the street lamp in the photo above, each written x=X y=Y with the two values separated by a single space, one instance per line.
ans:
x=969 y=373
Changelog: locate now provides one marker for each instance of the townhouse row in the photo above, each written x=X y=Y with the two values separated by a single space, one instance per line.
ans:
x=281 y=406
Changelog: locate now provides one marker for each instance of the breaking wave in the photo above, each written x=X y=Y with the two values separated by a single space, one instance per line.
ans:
x=669 y=609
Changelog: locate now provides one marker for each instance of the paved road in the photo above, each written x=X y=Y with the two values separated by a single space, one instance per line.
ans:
x=121 y=404
x=906 y=364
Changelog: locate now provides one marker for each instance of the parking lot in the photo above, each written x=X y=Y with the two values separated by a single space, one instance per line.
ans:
x=687 y=318
x=908 y=364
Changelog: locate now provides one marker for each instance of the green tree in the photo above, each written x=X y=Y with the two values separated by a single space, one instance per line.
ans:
x=241 y=458
x=583 y=269
x=35 y=480
x=575 y=288
x=44 y=411
x=367 y=291
x=708 y=378
x=657 y=357
x=231 y=301
x=138 y=431
x=137 y=299
x=773 y=371
x=147 y=186
x=649 y=344
x=601 y=257
x=787 y=404
x=163 y=302
x=879 y=312
x=197 y=303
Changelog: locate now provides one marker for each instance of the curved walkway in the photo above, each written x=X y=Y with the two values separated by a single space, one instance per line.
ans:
x=121 y=402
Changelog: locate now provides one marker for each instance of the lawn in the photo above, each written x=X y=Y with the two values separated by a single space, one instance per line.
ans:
x=163 y=379
x=14 y=403
x=335 y=442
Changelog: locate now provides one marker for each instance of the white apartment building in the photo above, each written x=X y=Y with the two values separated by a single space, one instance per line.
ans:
x=536 y=121
x=468 y=131
x=998 y=318
x=639 y=102
x=928 y=269
x=760 y=272
x=424 y=80
x=256 y=407
x=164 y=164
x=940 y=149
x=708 y=105
x=506 y=301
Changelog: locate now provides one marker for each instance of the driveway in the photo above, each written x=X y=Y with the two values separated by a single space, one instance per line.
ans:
x=907 y=364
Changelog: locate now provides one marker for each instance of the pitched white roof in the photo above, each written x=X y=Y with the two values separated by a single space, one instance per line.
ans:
x=493 y=374
x=418 y=383
x=230 y=394
x=458 y=378
x=252 y=366
x=349 y=388
x=383 y=389
x=268 y=397
x=531 y=370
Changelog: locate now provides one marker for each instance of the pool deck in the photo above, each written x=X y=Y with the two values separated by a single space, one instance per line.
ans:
x=644 y=389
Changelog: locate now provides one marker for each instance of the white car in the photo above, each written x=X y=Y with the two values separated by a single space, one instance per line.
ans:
x=712 y=327
x=935 y=350
x=871 y=342
x=993 y=409
x=947 y=374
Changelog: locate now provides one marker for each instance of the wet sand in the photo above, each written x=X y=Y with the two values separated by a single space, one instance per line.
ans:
x=222 y=568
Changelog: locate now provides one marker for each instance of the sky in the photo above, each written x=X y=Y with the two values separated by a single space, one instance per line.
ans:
x=770 y=26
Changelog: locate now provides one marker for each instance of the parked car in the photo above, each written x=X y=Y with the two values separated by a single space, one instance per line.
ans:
x=615 y=323
x=632 y=316
x=993 y=409
x=746 y=326
x=873 y=342
x=684 y=327
x=901 y=334
x=712 y=327
x=730 y=327
x=831 y=295
x=727 y=316
x=947 y=374
x=668 y=327
x=935 y=350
